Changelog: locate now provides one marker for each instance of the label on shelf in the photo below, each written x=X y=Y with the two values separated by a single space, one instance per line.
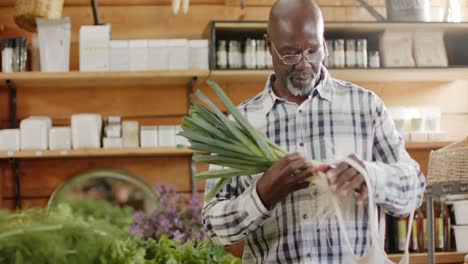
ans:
x=39 y=153
x=10 y=153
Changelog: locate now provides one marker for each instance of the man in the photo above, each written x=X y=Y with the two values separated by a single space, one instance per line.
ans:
x=313 y=116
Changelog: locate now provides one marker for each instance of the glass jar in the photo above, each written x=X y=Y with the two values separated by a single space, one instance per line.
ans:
x=374 y=59
x=250 y=54
x=361 y=53
x=329 y=60
x=261 y=54
x=7 y=56
x=339 y=54
x=235 y=55
x=351 y=53
x=221 y=55
x=23 y=55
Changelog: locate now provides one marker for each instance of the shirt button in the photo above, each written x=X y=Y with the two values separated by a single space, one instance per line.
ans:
x=304 y=216
x=300 y=111
x=309 y=255
x=301 y=144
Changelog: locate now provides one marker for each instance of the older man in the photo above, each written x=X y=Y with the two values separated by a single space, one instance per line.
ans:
x=313 y=116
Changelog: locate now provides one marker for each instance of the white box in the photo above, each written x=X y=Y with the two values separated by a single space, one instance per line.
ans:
x=149 y=136
x=429 y=49
x=10 y=139
x=178 y=54
x=198 y=54
x=112 y=142
x=46 y=119
x=460 y=209
x=418 y=136
x=138 y=55
x=34 y=134
x=437 y=136
x=60 y=138
x=119 y=56
x=130 y=135
x=158 y=55
x=396 y=48
x=166 y=136
x=114 y=120
x=86 y=131
x=94 y=48
x=461 y=237
x=180 y=140
x=54 y=44
x=113 y=131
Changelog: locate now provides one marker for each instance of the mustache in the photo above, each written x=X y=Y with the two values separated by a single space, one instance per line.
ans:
x=302 y=74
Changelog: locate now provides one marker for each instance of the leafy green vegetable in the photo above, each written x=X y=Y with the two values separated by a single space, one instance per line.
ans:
x=98 y=209
x=33 y=236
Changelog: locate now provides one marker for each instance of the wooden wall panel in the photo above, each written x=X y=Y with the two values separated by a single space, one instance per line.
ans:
x=10 y=204
x=4 y=102
x=126 y=101
x=41 y=177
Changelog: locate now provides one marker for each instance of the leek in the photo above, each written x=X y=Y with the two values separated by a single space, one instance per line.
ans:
x=235 y=145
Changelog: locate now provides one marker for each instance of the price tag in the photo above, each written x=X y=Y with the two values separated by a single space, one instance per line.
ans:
x=64 y=152
x=10 y=153
x=39 y=153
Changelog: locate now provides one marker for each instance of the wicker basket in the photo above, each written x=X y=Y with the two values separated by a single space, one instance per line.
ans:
x=26 y=12
x=449 y=163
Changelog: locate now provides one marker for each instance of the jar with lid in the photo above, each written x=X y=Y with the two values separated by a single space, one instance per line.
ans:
x=221 y=55
x=22 y=54
x=268 y=58
x=374 y=59
x=7 y=55
x=250 y=54
x=350 y=53
x=361 y=53
x=329 y=60
x=235 y=55
x=339 y=53
x=261 y=54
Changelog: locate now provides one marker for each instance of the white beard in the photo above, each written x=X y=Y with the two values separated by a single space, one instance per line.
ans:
x=301 y=91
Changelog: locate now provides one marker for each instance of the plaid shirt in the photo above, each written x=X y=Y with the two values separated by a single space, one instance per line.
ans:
x=337 y=119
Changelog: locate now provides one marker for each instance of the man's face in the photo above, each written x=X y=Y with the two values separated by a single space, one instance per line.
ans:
x=299 y=79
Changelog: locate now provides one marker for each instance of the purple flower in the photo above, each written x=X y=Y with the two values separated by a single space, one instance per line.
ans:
x=177 y=218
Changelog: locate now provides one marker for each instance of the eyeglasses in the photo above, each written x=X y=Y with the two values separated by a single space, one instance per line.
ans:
x=311 y=56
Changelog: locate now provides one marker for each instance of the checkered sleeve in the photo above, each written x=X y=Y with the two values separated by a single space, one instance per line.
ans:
x=234 y=212
x=392 y=172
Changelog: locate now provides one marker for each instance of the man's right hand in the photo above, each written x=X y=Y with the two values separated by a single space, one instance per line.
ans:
x=285 y=176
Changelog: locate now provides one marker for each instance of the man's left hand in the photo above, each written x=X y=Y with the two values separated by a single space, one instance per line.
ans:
x=344 y=179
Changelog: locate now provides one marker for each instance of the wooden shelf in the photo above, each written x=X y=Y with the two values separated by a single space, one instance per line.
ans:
x=134 y=79
x=355 y=27
x=98 y=79
x=440 y=257
x=124 y=152
x=362 y=75
x=136 y=152
x=426 y=145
